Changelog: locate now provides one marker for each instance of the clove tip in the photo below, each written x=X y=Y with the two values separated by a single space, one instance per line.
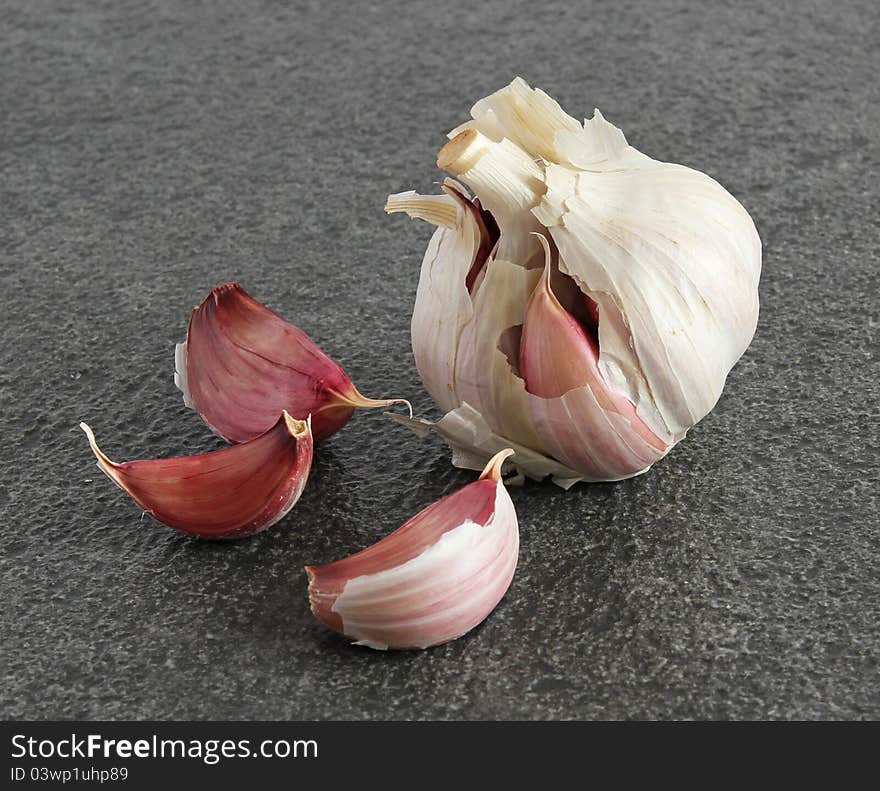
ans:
x=297 y=428
x=492 y=470
x=93 y=444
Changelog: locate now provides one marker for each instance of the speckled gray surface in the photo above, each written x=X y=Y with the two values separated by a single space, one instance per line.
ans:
x=151 y=150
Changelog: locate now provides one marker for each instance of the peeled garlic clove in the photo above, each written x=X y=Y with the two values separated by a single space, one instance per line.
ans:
x=431 y=580
x=242 y=364
x=229 y=493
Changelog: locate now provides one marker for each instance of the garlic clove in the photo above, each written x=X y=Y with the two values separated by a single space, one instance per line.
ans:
x=681 y=258
x=484 y=376
x=556 y=354
x=228 y=493
x=559 y=362
x=460 y=334
x=431 y=580
x=242 y=364
x=601 y=444
x=455 y=257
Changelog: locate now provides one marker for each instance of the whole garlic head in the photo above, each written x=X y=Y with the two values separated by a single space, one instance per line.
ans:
x=586 y=306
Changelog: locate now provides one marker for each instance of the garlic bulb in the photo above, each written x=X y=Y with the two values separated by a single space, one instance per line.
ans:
x=586 y=306
x=431 y=580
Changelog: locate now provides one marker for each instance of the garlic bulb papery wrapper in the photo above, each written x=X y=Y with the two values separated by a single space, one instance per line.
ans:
x=617 y=294
x=431 y=580
x=228 y=493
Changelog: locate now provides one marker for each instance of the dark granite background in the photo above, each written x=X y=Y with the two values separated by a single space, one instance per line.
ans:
x=149 y=150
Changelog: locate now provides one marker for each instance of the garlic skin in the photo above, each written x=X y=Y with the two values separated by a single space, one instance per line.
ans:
x=431 y=580
x=242 y=364
x=229 y=493
x=656 y=262
x=443 y=294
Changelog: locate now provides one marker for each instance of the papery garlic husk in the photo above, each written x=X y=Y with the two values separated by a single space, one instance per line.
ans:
x=229 y=493
x=657 y=263
x=242 y=364
x=433 y=579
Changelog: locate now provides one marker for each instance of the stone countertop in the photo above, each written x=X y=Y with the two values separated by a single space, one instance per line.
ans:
x=148 y=153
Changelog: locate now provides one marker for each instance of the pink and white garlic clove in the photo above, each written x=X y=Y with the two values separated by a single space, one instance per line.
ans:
x=559 y=363
x=431 y=580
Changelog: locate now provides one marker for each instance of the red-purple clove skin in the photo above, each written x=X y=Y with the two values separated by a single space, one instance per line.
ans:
x=229 y=493
x=244 y=364
x=489 y=235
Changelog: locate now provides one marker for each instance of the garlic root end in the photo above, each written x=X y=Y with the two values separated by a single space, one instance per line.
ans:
x=461 y=153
